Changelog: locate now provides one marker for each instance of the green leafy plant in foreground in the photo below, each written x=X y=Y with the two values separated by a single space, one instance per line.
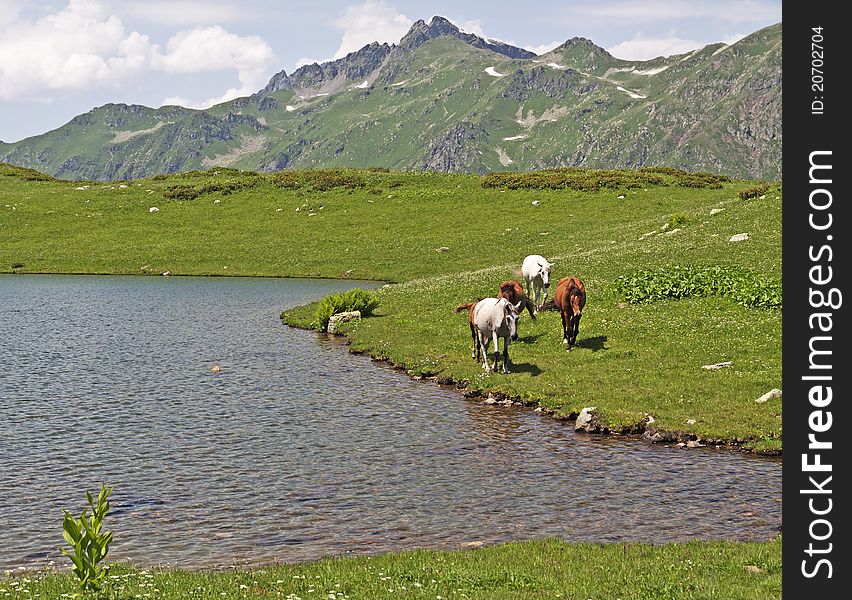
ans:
x=90 y=546
x=354 y=299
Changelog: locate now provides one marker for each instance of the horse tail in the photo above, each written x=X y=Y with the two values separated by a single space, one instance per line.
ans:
x=549 y=305
x=464 y=307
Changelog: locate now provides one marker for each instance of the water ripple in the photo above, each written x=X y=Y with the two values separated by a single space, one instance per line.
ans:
x=297 y=449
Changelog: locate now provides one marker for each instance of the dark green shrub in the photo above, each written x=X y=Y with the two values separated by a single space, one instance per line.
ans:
x=741 y=285
x=592 y=180
x=583 y=180
x=698 y=179
x=319 y=180
x=354 y=299
x=226 y=182
x=754 y=192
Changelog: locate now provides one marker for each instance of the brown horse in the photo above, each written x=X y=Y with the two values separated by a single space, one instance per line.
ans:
x=513 y=291
x=570 y=298
x=510 y=290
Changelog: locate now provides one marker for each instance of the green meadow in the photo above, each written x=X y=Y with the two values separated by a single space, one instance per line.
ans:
x=447 y=239
x=539 y=569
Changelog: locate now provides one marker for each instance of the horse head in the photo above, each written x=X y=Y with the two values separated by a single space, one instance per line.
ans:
x=511 y=314
x=544 y=271
x=576 y=301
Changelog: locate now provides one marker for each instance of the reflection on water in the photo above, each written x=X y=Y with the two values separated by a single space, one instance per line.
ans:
x=297 y=449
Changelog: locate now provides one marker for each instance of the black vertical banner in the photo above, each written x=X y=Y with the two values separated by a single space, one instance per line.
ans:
x=816 y=267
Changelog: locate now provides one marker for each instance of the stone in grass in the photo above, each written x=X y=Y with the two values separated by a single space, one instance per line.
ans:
x=345 y=317
x=716 y=211
x=153 y=209
x=442 y=249
x=588 y=420
x=773 y=393
x=535 y=202
x=740 y=237
x=717 y=366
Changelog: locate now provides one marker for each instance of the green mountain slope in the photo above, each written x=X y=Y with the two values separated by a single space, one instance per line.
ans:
x=446 y=100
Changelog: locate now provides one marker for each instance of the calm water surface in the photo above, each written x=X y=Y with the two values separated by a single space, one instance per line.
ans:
x=297 y=449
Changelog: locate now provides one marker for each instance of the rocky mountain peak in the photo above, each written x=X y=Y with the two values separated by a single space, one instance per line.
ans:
x=355 y=65
x=584 y=54
x=438 y=26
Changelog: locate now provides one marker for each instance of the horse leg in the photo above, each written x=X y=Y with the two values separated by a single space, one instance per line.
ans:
x=506 y=354
x=496 y=348
x=475 y=353
x=483 y=345
x=575 y=329
x=564 y=327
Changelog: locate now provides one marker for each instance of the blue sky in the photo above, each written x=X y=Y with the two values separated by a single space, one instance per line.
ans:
x=62 y=58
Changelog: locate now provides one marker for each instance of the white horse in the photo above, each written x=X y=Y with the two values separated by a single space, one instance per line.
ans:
x=496 y=318
x=536 y=273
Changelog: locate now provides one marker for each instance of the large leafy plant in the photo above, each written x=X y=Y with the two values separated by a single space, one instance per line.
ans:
x=89 y=544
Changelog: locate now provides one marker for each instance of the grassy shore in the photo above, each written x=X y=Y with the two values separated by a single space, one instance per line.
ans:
x=448 y=239
x=539 y=569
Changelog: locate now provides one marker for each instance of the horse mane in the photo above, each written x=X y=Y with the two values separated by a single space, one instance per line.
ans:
x=576 y=286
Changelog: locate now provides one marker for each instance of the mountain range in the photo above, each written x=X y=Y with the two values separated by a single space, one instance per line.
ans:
x=447 y=100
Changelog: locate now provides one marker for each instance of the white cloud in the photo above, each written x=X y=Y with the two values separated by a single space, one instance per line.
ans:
x=214 y=49
x=178 y=101
x=370 y=21
x=641 y=48
x=70 y=49
x=183 y=13
x=543 y=48
x=82 y=47
x=9 y=10
x=733 y=38
x=469 y=26
x=362 y=24
x=309 y=61
x=655 y=10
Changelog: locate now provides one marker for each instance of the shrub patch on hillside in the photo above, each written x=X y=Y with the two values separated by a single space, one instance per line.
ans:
x=754 y=192
x=741 y=285
x=354 y=299
x=222 y=180
x=319 y=180
x=592 y=180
